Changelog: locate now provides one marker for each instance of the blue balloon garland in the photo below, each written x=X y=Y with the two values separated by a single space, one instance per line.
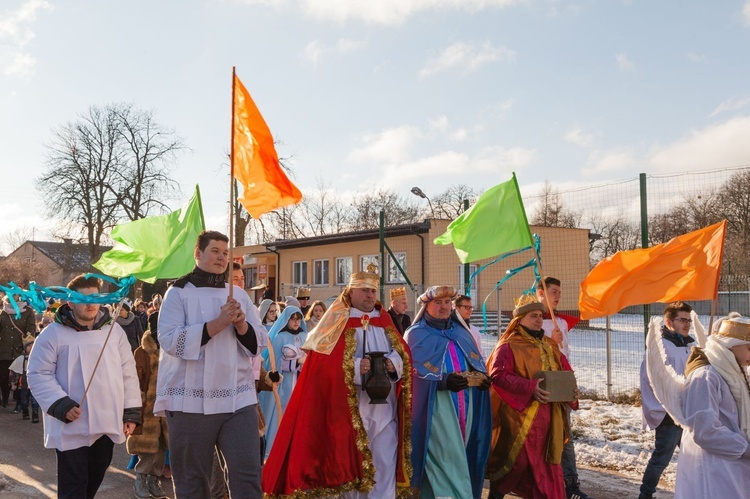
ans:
x=37 y=296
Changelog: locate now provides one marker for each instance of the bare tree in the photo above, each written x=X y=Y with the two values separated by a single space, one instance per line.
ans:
x=610 y=235
x=149 y=151
x=552 y=213
x=693 y=213
x=366 y=210
x=450 y=203
x=111 y=164
x=21 y=272
x=13 y=239
x=82 y=161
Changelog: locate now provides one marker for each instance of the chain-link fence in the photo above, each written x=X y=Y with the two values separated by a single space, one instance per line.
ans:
x=590 y=223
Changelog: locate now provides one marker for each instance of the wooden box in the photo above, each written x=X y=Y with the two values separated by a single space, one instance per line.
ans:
x=560 y=384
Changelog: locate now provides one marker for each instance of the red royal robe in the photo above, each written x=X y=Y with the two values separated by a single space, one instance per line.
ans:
x=321 y=446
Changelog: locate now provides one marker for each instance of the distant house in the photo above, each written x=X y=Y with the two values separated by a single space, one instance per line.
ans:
x=62 y=261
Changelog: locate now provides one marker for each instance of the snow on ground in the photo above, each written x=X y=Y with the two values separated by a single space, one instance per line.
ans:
x=609 y=436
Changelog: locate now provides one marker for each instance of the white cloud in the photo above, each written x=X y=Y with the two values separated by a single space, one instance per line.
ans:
x=392 y=12
x=746 y=13
x=579 y=137
x=717 y=146
x=624 y=63
x=315 y=50
x=614 y=160
x=695 y=57
x=722 y=145
x=466 y=56
x=390 y=158
x=346 y=45
x=15 y=34
x=439 y=124
x=389 y=146
x=731 y=104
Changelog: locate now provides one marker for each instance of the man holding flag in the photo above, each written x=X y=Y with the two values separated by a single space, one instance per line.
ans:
x=206 y=385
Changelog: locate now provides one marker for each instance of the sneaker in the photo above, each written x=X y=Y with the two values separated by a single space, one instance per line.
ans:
x=140 y=487
x=573 y=489
x=154 y=487
x=35 y=416
x=16 y=410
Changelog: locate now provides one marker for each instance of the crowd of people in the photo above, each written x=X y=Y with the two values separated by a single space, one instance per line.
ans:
x=353 y=399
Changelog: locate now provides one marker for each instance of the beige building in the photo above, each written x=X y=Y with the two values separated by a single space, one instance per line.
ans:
x=324 y=264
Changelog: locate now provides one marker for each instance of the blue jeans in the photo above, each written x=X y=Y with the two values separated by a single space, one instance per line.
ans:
x=668 y=437
x=26 y=396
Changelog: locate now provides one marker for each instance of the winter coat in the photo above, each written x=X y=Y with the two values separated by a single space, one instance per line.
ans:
x=133 y=330
x=146 y=438
x=13 y=331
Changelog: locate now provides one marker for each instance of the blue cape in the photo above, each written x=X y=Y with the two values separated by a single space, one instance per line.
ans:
x=428 y=349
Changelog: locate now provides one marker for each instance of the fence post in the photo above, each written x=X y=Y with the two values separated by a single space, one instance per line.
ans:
x=467 y=265
x=382 y=256
x=609 y=360
x=644 y=244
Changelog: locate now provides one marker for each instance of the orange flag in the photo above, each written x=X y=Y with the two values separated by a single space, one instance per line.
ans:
x=256 y=164
x=684 y=268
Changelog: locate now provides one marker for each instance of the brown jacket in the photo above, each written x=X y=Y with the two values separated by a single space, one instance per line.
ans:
x=147 y=437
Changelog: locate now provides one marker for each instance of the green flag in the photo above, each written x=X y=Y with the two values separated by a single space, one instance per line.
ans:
x=496 y=224
x=158 y=247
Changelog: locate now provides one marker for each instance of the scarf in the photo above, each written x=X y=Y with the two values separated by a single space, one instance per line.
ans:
x=724 y=361
x=202 y=279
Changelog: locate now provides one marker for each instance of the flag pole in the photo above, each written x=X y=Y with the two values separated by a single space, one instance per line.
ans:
x=271 y=355
x=231 y=193
x=106 y=340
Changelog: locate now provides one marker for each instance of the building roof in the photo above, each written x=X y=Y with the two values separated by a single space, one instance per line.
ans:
x=345 y=237
x=68 y=255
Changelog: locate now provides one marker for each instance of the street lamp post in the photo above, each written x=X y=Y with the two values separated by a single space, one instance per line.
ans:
x=418 y=192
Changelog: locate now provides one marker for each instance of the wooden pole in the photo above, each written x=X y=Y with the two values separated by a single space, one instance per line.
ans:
x=106 y=340
x=231 y=193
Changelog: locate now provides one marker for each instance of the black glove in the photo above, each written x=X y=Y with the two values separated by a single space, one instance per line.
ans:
x=455 y=382
x=274 y=376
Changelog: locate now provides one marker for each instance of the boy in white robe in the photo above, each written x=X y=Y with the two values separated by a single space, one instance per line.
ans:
x=83 y=432
x=714 y=457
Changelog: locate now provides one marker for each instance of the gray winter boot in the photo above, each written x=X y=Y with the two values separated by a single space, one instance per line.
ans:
x=140 y=486
x=154 y=487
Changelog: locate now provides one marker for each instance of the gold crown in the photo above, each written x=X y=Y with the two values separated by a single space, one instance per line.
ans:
x=364 y=280
x=733 y=328
x=303 y=292
x=526 y=303
x=398 y=293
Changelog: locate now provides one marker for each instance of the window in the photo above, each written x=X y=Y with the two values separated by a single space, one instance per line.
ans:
x=251 y=277
x=461 y=288
x=299 y=272
x=320 y=272
x=343 y=270
x=366 y=260
x=394 y=276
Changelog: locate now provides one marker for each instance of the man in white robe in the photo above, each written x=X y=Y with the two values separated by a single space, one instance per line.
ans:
x=83 y=432
x=206 y=385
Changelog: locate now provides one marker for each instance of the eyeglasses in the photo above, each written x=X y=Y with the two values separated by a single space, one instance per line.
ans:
x=686 y=321
x=467 y=307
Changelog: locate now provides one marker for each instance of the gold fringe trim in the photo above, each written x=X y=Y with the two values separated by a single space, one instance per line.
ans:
x=367 y=482
x=404 y=489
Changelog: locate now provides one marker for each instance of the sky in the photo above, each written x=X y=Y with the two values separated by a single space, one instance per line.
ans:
x=385 y=94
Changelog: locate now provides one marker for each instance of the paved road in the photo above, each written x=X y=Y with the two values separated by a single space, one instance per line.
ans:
x=30 y=469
